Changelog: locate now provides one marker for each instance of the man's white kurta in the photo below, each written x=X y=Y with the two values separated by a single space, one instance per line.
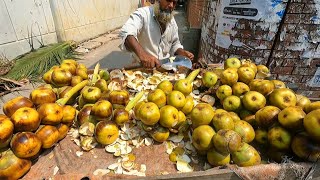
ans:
x=142 y=24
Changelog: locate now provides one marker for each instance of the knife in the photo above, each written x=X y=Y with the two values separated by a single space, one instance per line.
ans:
x=173 y=62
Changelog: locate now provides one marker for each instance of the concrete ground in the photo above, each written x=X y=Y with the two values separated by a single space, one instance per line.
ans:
x=105 y=50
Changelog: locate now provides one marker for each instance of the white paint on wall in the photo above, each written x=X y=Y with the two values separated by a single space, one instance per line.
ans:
x=58 y=20
x=7 y=33
x=27 y=15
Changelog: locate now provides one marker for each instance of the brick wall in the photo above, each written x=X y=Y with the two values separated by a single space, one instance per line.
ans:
x=288 y=45
x=195 y=12
x=294 y=59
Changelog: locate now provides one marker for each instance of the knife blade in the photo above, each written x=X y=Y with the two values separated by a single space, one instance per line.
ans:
x=173 y=62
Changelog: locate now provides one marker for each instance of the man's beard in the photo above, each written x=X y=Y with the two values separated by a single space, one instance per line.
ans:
x=163 y=16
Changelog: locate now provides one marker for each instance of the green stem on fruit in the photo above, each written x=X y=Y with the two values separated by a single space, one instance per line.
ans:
x=69 y=94
x=95 y=76
x=193 y=75
x=134 y=101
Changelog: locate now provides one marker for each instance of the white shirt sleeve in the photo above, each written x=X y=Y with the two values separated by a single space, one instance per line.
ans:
x=175 y=39
x=132 y=27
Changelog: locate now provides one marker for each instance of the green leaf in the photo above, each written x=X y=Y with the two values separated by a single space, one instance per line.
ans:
x=33 y=64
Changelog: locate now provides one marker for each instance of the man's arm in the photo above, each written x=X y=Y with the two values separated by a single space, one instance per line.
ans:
x=177 y=48
x=185 y=53
x=146 y=59
x=129 y=33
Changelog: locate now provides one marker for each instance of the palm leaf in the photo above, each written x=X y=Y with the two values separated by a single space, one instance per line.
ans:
x=34 y=64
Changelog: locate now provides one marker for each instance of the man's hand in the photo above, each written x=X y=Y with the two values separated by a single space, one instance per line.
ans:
x=185 y=53
x=149 y=61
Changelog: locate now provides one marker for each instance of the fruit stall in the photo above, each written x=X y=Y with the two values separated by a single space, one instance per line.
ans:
x=228 y=121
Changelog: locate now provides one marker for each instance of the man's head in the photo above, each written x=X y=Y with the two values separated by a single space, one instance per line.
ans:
x=163 y=10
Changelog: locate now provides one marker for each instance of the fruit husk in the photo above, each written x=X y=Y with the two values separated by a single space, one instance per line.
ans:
x=25 y=144
x=226 y=141
x=63 y=130
x=246 y=155
x=42 y=95
x=6 y=129
x=26 y=119
x=160 y=134
x=106 y=132
x=49 y=135
x=12 y=167
x=50 y=113
x=14 y=104
x=216 y=158
x=305 y=148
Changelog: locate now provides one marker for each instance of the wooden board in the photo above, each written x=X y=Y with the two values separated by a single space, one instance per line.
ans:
x=63 y=156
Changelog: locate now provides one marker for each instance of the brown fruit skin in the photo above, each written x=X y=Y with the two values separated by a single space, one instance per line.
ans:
x=76 y=80
x=43 y=95
x=84 y=116
x=166 y=86
x=245 y=130
x=313 y=106
x=202 y=137
x=82 y=72
x=61 y=77
x=102 y=110
x=246 y=155
x=63 y=130
x=282 y=98
x=14 y=104
x=12 y=167
x=69 y=114
x=226 y=141
x=267 y=116
x=50 y=113
x=240 y=88
x=303 y=102
x=278 y=84
x=279 y=138
x=264 y=87
x=120 y=116
x=292 y=117
x=72 y=100
x=201 y=114
x=120 y=97
x=47 y=76
x=91 y=94
x=6 y=129
x=69 y=67
x=26 y=119
x=137 y=108
x=246 y=74
x=102 y=85
x=222 y=121
x=149 y=113
x=158 y=97
x=261 y=136
x=311 y=124
x=49 y=135
x=188 y=106
x=160 y=134
x=216 y=158
x=251 y=97
x=303 y=147
x=106 y=132
x=229 y=76
x=25 y=144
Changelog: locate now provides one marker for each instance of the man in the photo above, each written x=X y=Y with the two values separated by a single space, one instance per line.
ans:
x=152 y=34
